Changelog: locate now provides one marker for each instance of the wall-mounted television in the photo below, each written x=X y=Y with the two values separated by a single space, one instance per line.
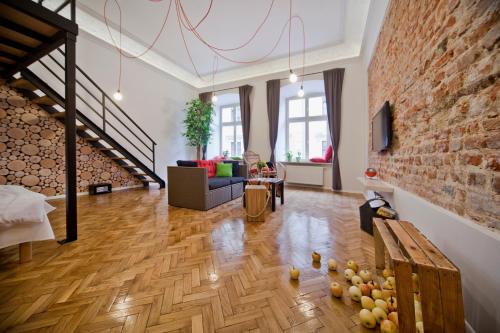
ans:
x=382 y=129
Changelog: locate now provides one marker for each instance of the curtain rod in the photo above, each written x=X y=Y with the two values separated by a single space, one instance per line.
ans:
x=225 y=89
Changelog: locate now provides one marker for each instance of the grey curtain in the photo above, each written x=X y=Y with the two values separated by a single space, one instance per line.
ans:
x=273 y=112
x=245 y=113
x=205 y=98
x=333 y=79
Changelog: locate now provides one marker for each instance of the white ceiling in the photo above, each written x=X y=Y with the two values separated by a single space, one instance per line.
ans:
x=333 y=29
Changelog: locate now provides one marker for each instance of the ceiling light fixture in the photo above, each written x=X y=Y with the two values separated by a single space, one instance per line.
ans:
x=118 y=95
x=293 y=77
x=214 y=98
x=300 y=93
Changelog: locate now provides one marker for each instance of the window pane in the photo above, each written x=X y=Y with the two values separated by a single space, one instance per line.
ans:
x=316 y=106
x=239 y=142
x=227 y=138
x=227 y=115
x=297 y=138
x=318 y=138
x=237 y=113
x=296 y=108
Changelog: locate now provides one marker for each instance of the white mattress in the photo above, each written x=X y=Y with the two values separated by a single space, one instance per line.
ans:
x=23 y=216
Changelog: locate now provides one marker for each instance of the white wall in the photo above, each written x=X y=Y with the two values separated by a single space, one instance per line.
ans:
x=153 y=99
x=374 y=21
x=353 y=132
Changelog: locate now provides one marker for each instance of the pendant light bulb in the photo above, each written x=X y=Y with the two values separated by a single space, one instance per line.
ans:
x=300 y=93
x=292 y=77
x=214 y=98
x=118 y=95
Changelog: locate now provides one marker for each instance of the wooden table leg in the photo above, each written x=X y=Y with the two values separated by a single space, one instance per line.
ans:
x=25 y=252
x=379 y=249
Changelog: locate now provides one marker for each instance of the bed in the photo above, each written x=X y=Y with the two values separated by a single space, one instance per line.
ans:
x=23 y=219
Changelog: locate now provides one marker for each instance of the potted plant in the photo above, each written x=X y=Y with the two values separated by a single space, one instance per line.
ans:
x=225 y=153
x=198 y=124
x=289 y=156
x=297 y=159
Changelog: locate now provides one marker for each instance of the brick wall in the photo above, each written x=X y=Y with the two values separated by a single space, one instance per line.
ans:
x=32 y=151
x=437 y=63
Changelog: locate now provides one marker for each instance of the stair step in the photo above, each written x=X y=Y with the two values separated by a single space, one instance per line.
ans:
x=148 y=181
x=129 y=166
x=23 y=84
x=105 y=149
x=138 y=174
x=44 y=100
x=92 y=139
x=59 y=115
x=81 y=127
x=118 y=158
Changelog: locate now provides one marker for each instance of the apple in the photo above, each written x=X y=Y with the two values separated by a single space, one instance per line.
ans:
x=415 y=282
x=365 y=275
x=392 y=304
x=367 y=318
x=376 y=294
x=332 y=264
x=387 y=293
x=348 y=274
x=294 y=273
x=393 y=316
x=356 y=280
x=365 y=289
x=420 y=327
x=379 y=314
x=392 y=282
x=352 y=265
x=373 y=285
x=387 y=326
x=386 y=285
x=381 y=304
x=336 y=289
x=367 y=303
x=316 y=257
x=355 y=293
x=387 y=272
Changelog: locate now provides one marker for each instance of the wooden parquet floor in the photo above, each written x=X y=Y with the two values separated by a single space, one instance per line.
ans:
x=142 y=266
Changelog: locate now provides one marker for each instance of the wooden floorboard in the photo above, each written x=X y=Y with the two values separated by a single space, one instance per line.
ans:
x=142 y=266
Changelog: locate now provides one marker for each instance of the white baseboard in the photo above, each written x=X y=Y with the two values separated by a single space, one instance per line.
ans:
x=474 y=249
x=115 y=189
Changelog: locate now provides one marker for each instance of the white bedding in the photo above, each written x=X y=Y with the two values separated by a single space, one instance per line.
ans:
x=23 y=216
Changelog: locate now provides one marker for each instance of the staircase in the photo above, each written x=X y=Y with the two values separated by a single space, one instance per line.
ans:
x=114 y=133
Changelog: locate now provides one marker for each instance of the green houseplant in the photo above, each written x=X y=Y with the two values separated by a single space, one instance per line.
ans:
x=198 y=124
x=289 y=156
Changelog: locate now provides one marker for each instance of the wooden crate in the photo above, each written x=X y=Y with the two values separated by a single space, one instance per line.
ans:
x=440 y=285
x=256 y=202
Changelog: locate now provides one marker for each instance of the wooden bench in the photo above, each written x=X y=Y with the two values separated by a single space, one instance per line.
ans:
x=439 y=280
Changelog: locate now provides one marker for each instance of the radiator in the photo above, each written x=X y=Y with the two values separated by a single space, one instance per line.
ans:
x=302 y=174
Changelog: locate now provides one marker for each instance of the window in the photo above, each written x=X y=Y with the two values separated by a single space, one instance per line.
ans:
x=231 y=131
x=307 y=126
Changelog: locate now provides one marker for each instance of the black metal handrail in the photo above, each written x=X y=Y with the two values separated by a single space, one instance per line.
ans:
x=63 y=5
x=106 y=112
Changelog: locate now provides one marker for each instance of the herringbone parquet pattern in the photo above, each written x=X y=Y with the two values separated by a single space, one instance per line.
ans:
x=142 y=266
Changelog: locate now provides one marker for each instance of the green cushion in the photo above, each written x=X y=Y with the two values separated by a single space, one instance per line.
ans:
x=224 y=170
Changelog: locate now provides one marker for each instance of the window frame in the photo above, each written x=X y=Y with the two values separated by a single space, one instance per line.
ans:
x=306 y=119
x=233 y=123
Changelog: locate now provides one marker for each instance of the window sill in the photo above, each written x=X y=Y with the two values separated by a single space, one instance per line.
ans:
x=308 y=163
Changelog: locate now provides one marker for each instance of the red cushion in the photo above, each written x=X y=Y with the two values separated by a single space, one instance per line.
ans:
x=318 y=160
x=328 y=153
x=210 y=165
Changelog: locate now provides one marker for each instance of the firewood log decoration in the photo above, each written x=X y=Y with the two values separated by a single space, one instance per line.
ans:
x=32 y=151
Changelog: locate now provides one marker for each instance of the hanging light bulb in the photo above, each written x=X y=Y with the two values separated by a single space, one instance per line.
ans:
x=118 y=95
x=300 y=93
x=214 y=98
x=292 y=77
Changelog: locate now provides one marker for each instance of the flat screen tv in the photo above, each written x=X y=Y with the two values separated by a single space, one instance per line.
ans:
x=382 y=129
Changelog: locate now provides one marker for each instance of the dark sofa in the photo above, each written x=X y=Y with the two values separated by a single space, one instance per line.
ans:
x=190 y=187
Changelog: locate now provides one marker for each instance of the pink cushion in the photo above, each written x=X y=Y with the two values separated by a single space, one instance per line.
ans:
x=328 y=153
x=318 y=160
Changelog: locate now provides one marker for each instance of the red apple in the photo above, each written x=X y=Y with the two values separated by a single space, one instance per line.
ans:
x=365 y=289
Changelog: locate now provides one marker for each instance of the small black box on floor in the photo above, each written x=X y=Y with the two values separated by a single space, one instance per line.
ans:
x=367 y=213
x=99 y=188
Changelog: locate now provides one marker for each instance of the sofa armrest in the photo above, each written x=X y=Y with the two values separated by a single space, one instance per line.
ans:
x=243 y=170
x=187 y=187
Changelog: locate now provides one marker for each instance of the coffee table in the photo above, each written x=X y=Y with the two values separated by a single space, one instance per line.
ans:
x=271 y=181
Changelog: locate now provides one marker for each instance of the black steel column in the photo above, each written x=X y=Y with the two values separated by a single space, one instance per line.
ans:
x=70 y=136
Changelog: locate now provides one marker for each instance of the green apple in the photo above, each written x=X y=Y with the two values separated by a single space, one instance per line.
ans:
x=365 y=275
x=367 y=318
x=379 y=314
x=332 y=264
x=356 y=280
x=381 y=304
x=355 y=293
x=348 y=274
